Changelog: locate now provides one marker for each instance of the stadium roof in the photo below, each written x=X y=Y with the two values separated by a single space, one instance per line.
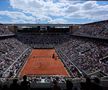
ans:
x=34 y=25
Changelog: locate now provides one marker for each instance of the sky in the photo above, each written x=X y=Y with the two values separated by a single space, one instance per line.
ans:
x=52 y=11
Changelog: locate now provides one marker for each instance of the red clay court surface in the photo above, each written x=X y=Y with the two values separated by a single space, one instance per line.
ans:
x=40 y=62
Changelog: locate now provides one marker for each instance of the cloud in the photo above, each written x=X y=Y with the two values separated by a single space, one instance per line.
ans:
x=89 y=10
x=54 y=10
x=89 y=5
x=17 y=16
x=58 y=21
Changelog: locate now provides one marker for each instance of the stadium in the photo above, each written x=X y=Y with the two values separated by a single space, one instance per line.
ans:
x=46 y=52
x=53 y=45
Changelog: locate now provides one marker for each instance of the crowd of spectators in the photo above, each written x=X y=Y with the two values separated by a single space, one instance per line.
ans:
x=10 y=50
x=74 y=71
x=96 y=30
x=16 y=66
x=4 y=30
x=54 y=83
x=86 y=53
x=42 y=40
x=104 y=60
